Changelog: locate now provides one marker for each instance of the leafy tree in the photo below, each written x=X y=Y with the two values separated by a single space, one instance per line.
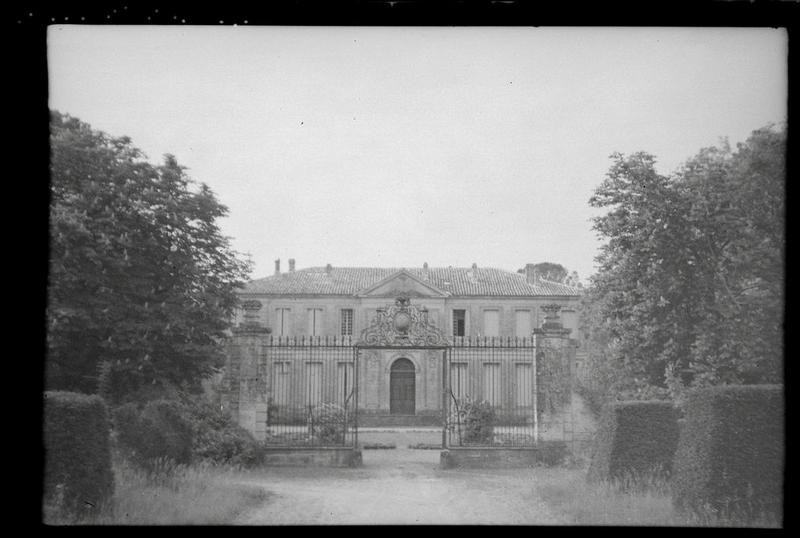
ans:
x=690 y=282
x=554 y=272
x=141 y=282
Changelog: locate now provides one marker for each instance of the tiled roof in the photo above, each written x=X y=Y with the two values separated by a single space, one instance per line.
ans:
x=458 y=281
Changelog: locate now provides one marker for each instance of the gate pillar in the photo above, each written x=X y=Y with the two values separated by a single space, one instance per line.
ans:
x=246 y=378
x=555 y=361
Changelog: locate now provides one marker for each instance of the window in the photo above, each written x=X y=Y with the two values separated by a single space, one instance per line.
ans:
x=491 y=323
x=313 y=383
x=524 y=380
x=314 y=321
x=458 y=379
x=344 y=382
x=347 y=322
x=523 y=323
x=491 y=383
x=459 y=322
x=281 y=383
x=282 y=321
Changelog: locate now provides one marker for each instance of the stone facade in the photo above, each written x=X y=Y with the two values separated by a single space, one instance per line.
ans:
x=341 y=302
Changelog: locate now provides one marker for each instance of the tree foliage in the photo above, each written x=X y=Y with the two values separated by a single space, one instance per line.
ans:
x=141 y=280
x=555 y=272
x=690 y=282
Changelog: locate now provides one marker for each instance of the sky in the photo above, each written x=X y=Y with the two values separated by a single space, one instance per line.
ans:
x=391 y=147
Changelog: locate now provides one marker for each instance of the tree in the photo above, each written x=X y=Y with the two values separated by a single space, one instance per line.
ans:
x=141 y=282
x=554 y=272
x=690 y=282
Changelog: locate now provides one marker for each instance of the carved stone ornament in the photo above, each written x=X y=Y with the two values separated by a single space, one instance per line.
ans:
x=402 y=324
x=251 y=305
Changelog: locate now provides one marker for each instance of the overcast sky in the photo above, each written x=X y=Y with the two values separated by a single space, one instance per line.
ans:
x=397 y=146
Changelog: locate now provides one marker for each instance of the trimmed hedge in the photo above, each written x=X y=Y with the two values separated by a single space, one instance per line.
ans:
x=78 y=475
x=730 y=456
x=635 y=439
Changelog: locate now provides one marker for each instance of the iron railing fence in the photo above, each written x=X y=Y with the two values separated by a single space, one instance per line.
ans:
x=313 y=392
x=506 y=392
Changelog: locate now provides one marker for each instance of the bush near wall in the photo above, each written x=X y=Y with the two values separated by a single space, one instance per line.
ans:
x=159 y=430
x=183 y=431
x=219 y=439
x=730 y=456
x=635 y=439
x=78 y=476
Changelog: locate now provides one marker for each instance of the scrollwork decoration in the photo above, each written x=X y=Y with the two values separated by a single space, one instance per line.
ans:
x=402 y=324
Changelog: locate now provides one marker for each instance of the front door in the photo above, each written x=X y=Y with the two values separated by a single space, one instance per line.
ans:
x=401 y=388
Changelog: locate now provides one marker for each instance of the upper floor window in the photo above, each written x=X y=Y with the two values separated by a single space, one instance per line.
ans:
x=459 y=322
x=347 y=322
x=314 y=321
x=491 y=323
x=282 y=321
x=523 y=323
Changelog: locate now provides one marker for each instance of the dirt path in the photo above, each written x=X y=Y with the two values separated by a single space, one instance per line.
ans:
x=401 y=486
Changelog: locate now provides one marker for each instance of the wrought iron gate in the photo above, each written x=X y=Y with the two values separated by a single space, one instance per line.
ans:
x=506 y=392
x=314 y=392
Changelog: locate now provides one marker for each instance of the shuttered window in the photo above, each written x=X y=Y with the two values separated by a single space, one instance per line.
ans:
x=522 y=323
x=491 y=383
x=314 y=321
x=524 y=385
x=491 y=323
x=313 y=383
x=458 y=379
x=282 y=321
x=344 y=382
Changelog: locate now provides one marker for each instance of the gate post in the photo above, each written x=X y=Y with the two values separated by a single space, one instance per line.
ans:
x=247 y=374
x=445 y=399
x=554 y=352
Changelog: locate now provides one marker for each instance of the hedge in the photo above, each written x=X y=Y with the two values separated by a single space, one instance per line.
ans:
x=730 y=456
x=634 y=439
x=78 y=475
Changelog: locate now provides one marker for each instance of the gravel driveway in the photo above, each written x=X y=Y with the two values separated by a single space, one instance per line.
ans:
x=401 y=486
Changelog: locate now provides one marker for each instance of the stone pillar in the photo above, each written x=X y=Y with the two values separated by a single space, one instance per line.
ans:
x=555 y=359
x=247 y=376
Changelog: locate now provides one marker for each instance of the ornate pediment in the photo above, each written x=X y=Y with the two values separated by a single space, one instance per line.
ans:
x=403 y=325
x=403 y=284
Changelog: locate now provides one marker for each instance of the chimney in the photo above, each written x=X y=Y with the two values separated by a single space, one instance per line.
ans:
x=425 y=271
x=530 y=274
x=474 y=266
x=328 y=268
x=278 y=266
x=291 y=265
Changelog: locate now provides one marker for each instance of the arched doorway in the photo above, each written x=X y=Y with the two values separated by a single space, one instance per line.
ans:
x=402 y=390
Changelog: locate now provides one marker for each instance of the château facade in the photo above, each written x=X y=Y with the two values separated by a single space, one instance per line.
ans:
x=338 y=303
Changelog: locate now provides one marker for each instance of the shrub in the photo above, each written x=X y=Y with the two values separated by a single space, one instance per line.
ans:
x=474 y=421
x=730 y=455
x=218 y=439
x=182 y=431
x=160 y=430
x=78 y=474
x=635 y=438
x=327 y=424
